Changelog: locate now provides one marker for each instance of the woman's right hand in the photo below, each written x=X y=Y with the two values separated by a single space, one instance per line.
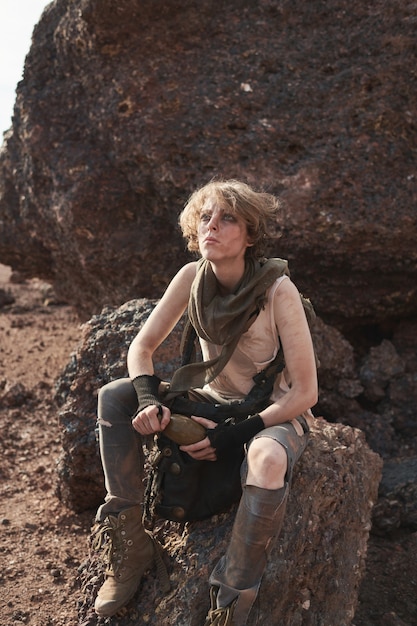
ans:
x=152 y=419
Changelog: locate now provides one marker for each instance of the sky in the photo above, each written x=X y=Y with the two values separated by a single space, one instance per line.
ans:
x=17 y=21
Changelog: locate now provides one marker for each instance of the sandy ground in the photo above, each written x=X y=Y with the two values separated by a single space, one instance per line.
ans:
x=41 y=542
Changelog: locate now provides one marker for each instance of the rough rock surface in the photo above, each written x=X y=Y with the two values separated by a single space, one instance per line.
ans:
x=125 y=107
x=327 y=524
x=397 y=503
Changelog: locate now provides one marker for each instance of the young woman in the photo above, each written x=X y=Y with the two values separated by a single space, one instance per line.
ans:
x=244 y=308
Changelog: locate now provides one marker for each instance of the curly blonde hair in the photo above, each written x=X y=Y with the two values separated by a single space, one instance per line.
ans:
x=257 y=209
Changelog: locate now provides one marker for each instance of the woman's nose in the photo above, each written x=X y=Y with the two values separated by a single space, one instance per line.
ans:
x=212 y=224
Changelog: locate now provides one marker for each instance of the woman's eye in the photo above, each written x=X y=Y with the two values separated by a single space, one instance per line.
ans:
x=205 y=217
x=228 y=217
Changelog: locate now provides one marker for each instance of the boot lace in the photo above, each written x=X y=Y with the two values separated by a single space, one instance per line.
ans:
x=222 y=616
x=106 y=536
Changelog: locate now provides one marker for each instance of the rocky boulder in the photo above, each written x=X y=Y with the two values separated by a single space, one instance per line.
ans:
x=397 y=502
x=315 y=567
x=124 y=109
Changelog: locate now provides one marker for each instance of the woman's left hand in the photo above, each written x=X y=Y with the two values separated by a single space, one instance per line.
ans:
x=202 y=450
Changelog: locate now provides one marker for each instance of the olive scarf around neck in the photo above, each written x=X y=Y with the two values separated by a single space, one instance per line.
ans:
x=220 y=319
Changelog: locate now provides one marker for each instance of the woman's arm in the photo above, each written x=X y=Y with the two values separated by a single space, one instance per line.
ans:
x=160 y=322
x=154 y=417
x=300 y=361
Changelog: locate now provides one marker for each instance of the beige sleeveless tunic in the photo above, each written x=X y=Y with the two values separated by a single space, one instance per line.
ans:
x=257 y=347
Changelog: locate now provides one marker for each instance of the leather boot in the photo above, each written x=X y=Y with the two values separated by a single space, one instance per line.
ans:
x=237 y=576
x=129 y=550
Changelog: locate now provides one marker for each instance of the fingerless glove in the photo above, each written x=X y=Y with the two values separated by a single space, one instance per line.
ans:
x=146 y=388
x=229 y=435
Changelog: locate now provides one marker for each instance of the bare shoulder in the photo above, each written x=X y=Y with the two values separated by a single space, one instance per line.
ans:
x=287 y=302
x=189 y=270
x=179 y=288
x=169 y=308
x=185 y=276
x=286 y=289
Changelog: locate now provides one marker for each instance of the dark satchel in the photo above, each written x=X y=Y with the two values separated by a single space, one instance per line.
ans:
x=182 y=489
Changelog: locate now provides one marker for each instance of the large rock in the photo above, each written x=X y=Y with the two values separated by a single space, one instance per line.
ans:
x=315 y=568
x=397 y=501
x=124 y=108
x=344 y=385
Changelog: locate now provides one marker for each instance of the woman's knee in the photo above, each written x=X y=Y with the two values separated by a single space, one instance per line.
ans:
x=267 y=463
x=116 y=398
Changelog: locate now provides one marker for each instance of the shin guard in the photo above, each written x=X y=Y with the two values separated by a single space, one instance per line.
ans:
x=239 y=573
